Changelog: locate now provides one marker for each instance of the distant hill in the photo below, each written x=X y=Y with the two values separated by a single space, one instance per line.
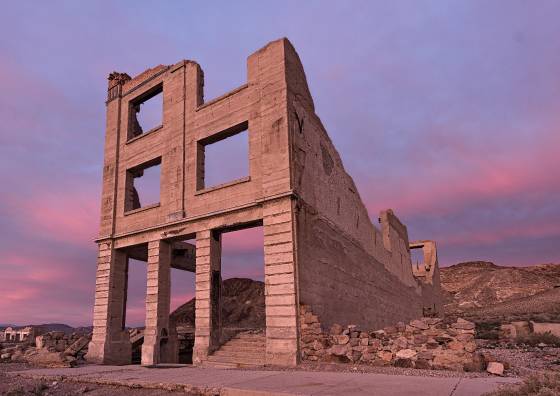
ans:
x=56 y=327
x=243 y=305
x=481 y=289
x=50 y=327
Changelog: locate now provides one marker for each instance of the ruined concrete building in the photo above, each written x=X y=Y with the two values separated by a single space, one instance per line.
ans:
x=20 y=334
x=320 y=246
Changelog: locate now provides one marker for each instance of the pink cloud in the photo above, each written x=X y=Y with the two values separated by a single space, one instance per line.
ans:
x=445 y=190
x=70 y=217
x=498 y=234
x=250 y=239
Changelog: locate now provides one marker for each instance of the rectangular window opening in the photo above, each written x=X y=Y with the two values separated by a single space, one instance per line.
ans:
x=146 y=112
x=417 y=258
x=143 y=185
x=223 y=157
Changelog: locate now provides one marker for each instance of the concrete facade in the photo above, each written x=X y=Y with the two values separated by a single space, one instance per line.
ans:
x=320 y=247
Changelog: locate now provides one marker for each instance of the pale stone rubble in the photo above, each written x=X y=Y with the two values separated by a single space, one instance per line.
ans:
x=524 y=328
x=52 y=349
x=426 y=343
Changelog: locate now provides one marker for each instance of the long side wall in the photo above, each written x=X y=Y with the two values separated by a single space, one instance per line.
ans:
x=343 y=283
x=349 y=271
x=319 y=178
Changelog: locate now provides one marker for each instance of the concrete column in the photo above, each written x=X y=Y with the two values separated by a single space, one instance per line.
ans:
x=160 y=342
x=208 y=294
x=110 y=343
x=280 y=278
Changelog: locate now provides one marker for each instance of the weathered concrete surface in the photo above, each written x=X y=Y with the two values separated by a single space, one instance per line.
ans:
x=320 y=246
x=245 y=382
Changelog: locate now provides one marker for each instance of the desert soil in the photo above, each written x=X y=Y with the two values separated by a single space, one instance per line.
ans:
x=17 y=386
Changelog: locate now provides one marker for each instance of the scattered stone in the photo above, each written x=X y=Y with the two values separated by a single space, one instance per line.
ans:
x=495 y=368
x=426 y=343
x=401 y=342
x=425 y=355
x=455 y=345
x=339 y=350
x=419 y=324
x=336 y=329
x=385 y=355
x=390 y=330
x=341 y=339
x=420 y=339
x=470 y=347
x=406 y=354
x=463 y=325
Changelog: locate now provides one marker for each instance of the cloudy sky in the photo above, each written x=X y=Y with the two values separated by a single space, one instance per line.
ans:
x=445 y=111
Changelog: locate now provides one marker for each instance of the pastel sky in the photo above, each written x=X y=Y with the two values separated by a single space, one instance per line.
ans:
x=446 y=111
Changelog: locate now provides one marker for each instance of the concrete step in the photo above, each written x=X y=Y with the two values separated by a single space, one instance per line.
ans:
x=241 y=343
x=222 y=365
x=246 y=362
x=240 y=354
x=249 y=335
x=241 y=348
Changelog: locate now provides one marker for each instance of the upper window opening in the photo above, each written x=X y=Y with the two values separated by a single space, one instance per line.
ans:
x=146 y=112
x=417 y=257
x=223 y=157
x=143 y=185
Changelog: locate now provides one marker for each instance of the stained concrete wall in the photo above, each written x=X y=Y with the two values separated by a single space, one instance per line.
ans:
x=348 y=270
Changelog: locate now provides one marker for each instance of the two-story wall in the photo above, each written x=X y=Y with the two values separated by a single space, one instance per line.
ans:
x=320 y=247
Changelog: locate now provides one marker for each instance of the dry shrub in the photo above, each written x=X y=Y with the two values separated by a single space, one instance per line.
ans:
x=535 y=385
x=535 y=339
x=489 y=330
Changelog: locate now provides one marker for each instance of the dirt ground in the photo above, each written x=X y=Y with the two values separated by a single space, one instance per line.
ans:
x=18 y=386
x=522 y=360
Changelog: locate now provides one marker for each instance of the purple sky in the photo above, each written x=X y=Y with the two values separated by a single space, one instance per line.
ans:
x=447 y=112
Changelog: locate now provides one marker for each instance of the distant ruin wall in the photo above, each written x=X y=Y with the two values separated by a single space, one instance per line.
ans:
x=343 y=283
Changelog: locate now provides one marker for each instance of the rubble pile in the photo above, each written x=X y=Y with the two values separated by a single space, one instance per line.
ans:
x=53 y=349
x=426 y=343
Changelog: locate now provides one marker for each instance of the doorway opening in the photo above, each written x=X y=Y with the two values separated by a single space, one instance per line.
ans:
x=182 y=309
x=135 y=298
x=242 y=281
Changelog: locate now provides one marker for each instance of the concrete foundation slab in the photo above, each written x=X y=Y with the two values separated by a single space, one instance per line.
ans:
x=267 y=382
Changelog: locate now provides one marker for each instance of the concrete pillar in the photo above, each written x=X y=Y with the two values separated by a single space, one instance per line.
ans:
x=160 y=342
x=208 y=294
x=280 y=278
x=110 y=343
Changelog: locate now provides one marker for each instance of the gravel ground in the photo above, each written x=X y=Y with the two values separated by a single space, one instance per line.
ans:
x=18 y=386
x=522 y=361
x=362 y=368
x=526 y=360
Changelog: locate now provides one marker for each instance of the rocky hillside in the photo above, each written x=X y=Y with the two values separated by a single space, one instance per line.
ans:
x=482 y=288
x=243 y=305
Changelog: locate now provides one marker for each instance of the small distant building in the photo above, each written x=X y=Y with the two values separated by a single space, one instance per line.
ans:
x=20 y=334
